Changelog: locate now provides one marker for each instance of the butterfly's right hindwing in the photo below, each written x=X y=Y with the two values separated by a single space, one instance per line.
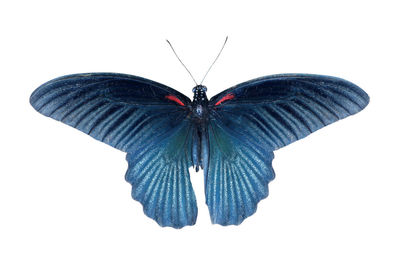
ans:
x=144 y=118
x=251 y=120
x=237 y=175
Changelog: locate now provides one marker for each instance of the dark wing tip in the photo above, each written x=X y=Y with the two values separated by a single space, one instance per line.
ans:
x=361 y=98
x=35 y=96
x=46 y=87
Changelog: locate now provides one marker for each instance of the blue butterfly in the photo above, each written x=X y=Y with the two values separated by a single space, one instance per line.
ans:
x=231 y=137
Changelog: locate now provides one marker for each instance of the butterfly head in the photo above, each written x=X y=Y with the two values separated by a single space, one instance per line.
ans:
x=199 y=88
x=199 y=94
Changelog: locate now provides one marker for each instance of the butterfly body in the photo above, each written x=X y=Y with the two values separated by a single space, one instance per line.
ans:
x=200 y=119
x=231 y=137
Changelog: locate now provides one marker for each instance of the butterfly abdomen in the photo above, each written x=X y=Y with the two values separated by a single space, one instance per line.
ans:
x=196 y=150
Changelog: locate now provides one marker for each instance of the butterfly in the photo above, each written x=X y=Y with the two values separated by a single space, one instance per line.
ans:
x=231 y=136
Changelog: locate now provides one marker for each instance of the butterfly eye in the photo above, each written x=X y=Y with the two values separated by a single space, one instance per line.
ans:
x=200 y=88
x=175 y=99
x=225 y=98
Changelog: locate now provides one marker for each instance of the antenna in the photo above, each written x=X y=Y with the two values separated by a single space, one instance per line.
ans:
x=226 y=39
x=182 y=62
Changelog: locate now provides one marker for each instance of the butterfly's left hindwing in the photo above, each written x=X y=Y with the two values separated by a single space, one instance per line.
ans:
x=159 y=174
x=144 y=118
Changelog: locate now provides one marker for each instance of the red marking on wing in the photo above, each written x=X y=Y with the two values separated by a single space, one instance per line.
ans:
x=227 y=97
x=174 y=98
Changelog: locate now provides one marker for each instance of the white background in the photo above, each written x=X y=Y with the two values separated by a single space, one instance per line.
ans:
x=335 y=200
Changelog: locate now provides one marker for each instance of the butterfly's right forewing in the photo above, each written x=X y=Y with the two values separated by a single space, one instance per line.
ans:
x=251 y=120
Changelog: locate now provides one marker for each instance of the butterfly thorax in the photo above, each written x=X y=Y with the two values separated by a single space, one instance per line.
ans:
x=200 y=101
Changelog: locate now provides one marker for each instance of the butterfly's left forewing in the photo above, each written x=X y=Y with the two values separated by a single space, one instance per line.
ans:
x=251 y=120
x=144 y=118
